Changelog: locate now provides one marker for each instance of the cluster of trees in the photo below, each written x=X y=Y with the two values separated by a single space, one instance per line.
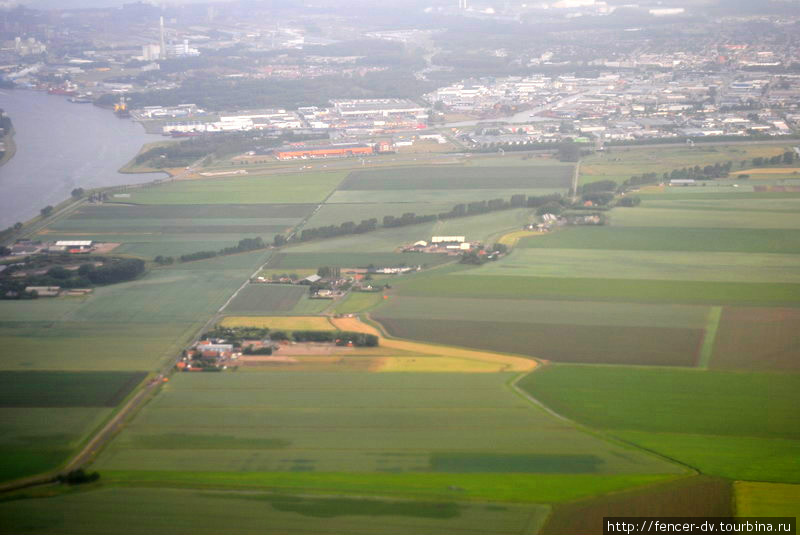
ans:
x=164 y=260
x=77 y=477
x=787 y=158
x=116 y=270
x=340 y=338
x=630 y=201
x=247 y=244
x=111 y=271
x=215 y=145
x=8 y=232
x=214 y=93
x=348 y=227
x=479 y=257
x=235 y=335
x=409 y=218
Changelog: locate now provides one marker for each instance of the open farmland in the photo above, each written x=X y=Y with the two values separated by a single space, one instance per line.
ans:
x=266 y=298
x=564 y=343
x=603 y=289
x=698 y=496
x=619 y=164
x=301 y=260
x=164 y=510
x=565 y=331
x=36 y=439
x=643 y=216
x=76 y=356
x=256 y=189
x=767 y=499
x=438 y=178
x=731 y=240
x=358 y=422
x=174 y=230
x=735 y=425
x=66 y=389
x=650 y=265
x=758 y=339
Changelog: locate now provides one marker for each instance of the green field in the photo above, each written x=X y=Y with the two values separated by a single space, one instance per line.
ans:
x=36 y=439
x=257 y=189
x=564 y=331
x=561 y=343
x=465 y=284
x=705 y=240
x=358 y=422
x=336 y=214
x=356 y=302
x=174 y=511
x=484 y=228
x=643 y=216
x=651 y=265
x=66 y=389
x=82 y=352
x=736 y=425
x=453 y=177
x=546 y=312
x=447 y=198
x=174 y=230
x=620 y=164
x=266 y=298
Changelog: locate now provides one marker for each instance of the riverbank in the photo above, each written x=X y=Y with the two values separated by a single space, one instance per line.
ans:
x=11 y=147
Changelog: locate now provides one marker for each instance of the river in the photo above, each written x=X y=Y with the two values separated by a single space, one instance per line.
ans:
x=62 y=146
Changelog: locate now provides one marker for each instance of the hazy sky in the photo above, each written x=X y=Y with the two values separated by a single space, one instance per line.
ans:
x=77 y=4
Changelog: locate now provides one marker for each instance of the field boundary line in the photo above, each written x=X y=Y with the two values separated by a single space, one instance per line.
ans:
x=598 y=433
x=709 y=337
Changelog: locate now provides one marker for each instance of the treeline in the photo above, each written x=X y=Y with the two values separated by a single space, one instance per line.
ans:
x=709 y=172
x=701 y=139
x=236 y=335
x=235 y=94
x=340 y=338
x=247 y=244
x=215 y=145
x=411 y=218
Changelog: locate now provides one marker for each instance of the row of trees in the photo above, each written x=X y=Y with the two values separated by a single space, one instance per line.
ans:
x=410 y=218
x=247 y=244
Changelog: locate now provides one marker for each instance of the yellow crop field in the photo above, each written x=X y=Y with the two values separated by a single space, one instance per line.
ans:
x=768 y=171
x=432 y=364
x=510 y=240
x=280 y=323
x=767 y=499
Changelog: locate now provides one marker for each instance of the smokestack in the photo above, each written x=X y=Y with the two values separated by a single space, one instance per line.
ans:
x=162 y=54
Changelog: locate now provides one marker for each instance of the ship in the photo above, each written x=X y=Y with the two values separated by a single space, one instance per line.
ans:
x=61 y=91
x=81 y=99
x=121 y=108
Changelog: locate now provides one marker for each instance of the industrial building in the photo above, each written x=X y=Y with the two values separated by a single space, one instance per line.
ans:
x=382 y=107
x=328 y=151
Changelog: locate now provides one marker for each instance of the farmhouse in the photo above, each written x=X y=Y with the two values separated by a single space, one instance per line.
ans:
x=44 y=291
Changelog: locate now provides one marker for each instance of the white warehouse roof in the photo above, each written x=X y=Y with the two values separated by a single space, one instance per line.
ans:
x=74 y=243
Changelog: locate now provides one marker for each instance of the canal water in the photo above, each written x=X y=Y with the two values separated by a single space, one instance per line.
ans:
x=62 y=146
